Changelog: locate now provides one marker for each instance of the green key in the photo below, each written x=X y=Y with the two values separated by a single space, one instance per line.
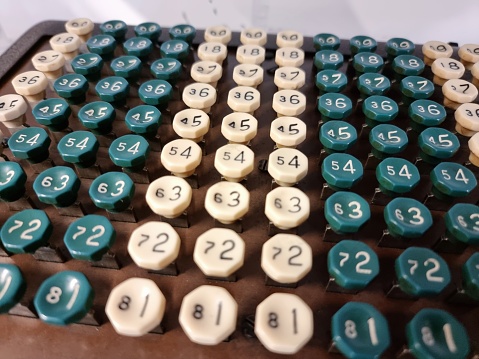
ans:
x=341 y=170
x=58 y=186
x=407 y=218
x=128 y=67
x=352 y=264
x=182 y=32
x=334 y=106
x=30 y=143
x=462 y=223
x=88 y=65
x=379 y=109
x=365 y=62
x=328 y=60
x=150 y=30
x=115 y=28
x=89 y=237
x=175 y=49
x=326 y=42
x=408 y=65
x=434 y=333
x=167 y=69
x=451 y=180
x=112 y=191
x=359 y=44
x=346 y=212
x=12 y=286
x=387 y=140
x=26 y=231
x=373 y=84
x=129 y=152
x=416 y=87
x=72 y=87
x=427 y=113
x=143 y=120
x=97 y=116
x=437 y=144
x=360 y=331
x=12 y=181
x=79 y=148
x=337 y=136
x=113 y=89
x=398 y=46
x=53 y=113
x=103 y=45
x=64 y=298
x=331 y=81
x=155 y=92
x=470 y=276
x=397 y=176
x=138 y=46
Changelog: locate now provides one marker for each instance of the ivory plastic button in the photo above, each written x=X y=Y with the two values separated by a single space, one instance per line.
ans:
x=469 y=55
x=473 y=144
x=50 y=62
x=227 y=202
x=433 y=50
x=289 y=56
x=212 y=51
x=66 y=43
x=219 y=33
x=83 y=27
x=253 y=36
x=289 y=103
x=475 y=74
x=288 y=131
x=467 y=119
x=289 y=38
x=289 y=78
x=31 y=85
x=244 y=99
x=239 y=127
x=250 y=54
x=207 y=72
x=234 y=162
x=287 y=207
x=169 y=196
x=248 y=75
x=181 y=157
x=12 y=110
x=200 y=96
x=287 y=166
x=191 y=124
x=446 y=69
x=457 y=92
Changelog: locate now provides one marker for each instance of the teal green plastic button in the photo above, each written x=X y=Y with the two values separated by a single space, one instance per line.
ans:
x=138 y=46
x=398 y=46
x=407 y=218
x=112 y=89
x=379 y=109
x=53 y=113
x=112 y=191
x=427 y=113
x=470 y=276
x=97 y=116
x=331 y=81
x=437 y=144
x=79 y=148
x=366 y=62
x=341 y=170
x=450 y=179
x=397 y=176
x=103 y=45
x=155 y=92
x=58 y=186
x=434 y=333
x=115 y=28
x=334 y=106
x=64 y=298
x=408 y=65
x=167 y=69
x=360 y=331
x=346 y=212
x=30 y=143
x=12 y=181
x=462 y=223
x=183 y=32
x=143 y=119
x=337 y=136
x=26 y=231
x=88 y=65
x=12 y=286
x=416 y=87
x=129 y=152
x=175 y=49
x=352 y=264
x=150 y=30
x=328 y=60
x=72 y=87
x=373 y=84
x=387 y=140
x=326 y=41
x=359 y=44
x=89 y=237
x=128 y=67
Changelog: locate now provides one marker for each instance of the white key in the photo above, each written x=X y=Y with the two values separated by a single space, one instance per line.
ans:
x=169 y=196
x=227 y=202
x=12 y=110
x=458 y=91
x=467 y=119
x=219 y=252
x=469 y=54
x=66 y=43
x=191 y=124
x=154 y=245
x=248 y=75
x=244 y=99
x=200 y=96
x=250 y=54
x=212 y=51
x=289 y=103
x=31 y=84
x=253 y=36
x=289 y=38
x=433 y=50
x=287 y=166
x=234 y=162
x=289 y=78
x=208 y=315
x=473 y=144
x=82 y=27
x=446 y=68
x=181 y=157
x=239 y=127
x=135 y=307
x=283 y=323
x=287 y=207
x=286 y=258
x=50 y=62
x=288 y=131
x=219 y=33
x=207 y=72
x=289 y=56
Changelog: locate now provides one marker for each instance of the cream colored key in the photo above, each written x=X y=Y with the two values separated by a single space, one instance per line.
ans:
x=433 y=50
x=169 y=196
x=82 y=27
x=457 y=92
x=135 y=307
x=475 y=74
x=469 y=54
x=467 y=119
x=239 y=127
x=208 y=315
x=219 y=252
x=253 y=36
x=248 y=75
x=12 y=111
x=199 y=96
x=244 y=99
x=289 y=56
x=287 y=207
x=234 y=162
x=289 y=78
x=289 y=38
x=181 y=157
x=191 y=124
x=219 y=33
x=212 y=51
x=250 y=54
x=283 y=323
x=287 y=166
x=473 y=144
x=31 y=85
x=207 y=72
x=50 y=62
x=445 y=69
x=288 y=131
x=286 y=258
x=66 y=43
x=227 y=202
x=289 y=103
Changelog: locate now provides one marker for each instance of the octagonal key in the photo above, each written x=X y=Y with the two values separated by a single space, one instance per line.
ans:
x=427 y=113
x=470 y=275
x=88 y=65
x=433 y=50
x=114 y=28
x=12 y=286
x=97 y=116
x=451 y=180
x=367 y=62
x=334 y=106
x=371 y=83
x=287 y=131
x=53 y=113
x=234 y=162
x=212 y=51
x=244 y=99
x=58 y=186
x=407 y=218
x=287 y=207
x=207 y=72
x=83 y=27
x=128 y=67
x=167 y=69
x=12 y=111
x=130 y=152
x=399 y=46
x=30 y=143
x=72 y=87
x=227 y=202
x=200 y=96
x=218 y=33
x=469 y=55
x=330 y=81
x=325 y=41
x=250 y=54
x=337 y=136
x=181 y=157
x=289 y=78
x=31 y=85
x=387 y=140
x=457 y=92
x=191 y=124
x=408 y=65
x=144 y=120
x=175 y=49
x=289 y=38
x=445 y=69
x=287 y=166
x=289 y=103
x=473 y=145
x=341 y=171
x=416 y=88
x=248 y=75
x=362 y=43
x=379 y=109
x=68 y=44
x=138 y=46
x=462 y=223
x=238 y=127
x=253 y=35
x=467 y=119
x=79 y=148
x=397 y=176
x=169 y=196
x=346 y=212
x=150 y=30
x=112 y=191
x=155 y=92
x=289 y=56
x=50 y=62
x=328 y=60
x=103 y=45
x=12 y=181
